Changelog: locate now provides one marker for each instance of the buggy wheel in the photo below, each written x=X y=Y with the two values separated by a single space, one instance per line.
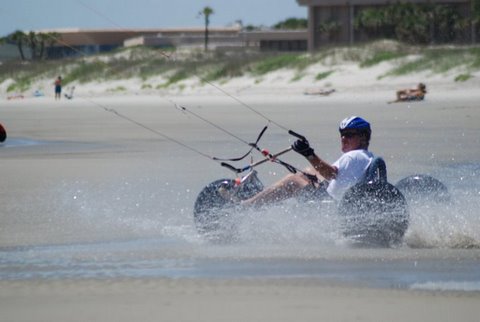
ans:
x=422 y=187
x=375 y=214
x=215 y=215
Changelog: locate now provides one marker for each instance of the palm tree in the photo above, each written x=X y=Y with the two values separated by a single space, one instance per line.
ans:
x=206 y=12
x=18 y=38
x=46 y=40
x=43 y=38
x=33 y=43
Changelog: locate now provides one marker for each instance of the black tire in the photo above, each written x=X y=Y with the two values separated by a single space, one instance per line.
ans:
x=214 y=215
x=375 y=214
x=422 y=187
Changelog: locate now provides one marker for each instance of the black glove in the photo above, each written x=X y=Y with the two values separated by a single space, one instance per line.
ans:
x=302 y=147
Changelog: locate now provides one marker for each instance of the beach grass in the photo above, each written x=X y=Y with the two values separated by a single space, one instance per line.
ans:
x=277 y=62
x=146 y=63
x=463 y=77
x=323 y=75
x=380 y=57
x=440 y=60
x=85 y=72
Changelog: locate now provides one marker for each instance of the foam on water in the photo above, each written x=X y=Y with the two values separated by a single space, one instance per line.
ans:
x=447 y=286
x=452 y=224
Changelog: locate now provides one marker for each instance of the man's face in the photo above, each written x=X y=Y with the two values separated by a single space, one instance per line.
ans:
x=351 y=140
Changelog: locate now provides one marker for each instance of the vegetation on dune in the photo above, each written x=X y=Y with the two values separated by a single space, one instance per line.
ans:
x=440 y=60
x=463 y=77
x=323 y=75
x=273 y=63
x=380 y=57
x=162 y=69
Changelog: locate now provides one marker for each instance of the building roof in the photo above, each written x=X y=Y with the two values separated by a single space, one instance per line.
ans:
x=324 y=3
x=79 y=37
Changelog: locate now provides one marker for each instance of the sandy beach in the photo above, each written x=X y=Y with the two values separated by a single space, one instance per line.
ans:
x=77 y=178
x=232 y=300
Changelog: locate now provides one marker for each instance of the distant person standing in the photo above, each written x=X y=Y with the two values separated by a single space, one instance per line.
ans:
x=58 y=88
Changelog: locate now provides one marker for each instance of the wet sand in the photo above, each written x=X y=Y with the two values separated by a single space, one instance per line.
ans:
x=52 y=144
x=220 y=300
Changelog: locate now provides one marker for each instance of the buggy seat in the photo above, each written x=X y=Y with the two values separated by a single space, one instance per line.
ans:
x=376 y=171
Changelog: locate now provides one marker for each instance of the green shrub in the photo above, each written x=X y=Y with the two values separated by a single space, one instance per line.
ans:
x=323 y=75
x=86 y=71
x=463 y=77
x=439 y=61
x=20 y=85
x=381 y=57
x=117 y=89
x=274 y=63
x=154 y=67
x=224 y=71
x=11 y=87
x=178 y=76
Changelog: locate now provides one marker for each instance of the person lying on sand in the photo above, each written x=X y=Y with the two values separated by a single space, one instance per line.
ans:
x=322 y=92
x=15 y=96
x=411 y=94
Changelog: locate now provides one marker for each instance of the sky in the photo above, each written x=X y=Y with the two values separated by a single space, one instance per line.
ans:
x=29 y=15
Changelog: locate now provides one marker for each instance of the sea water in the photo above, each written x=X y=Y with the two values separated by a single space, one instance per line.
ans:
x=142 y=227
x=113 y=209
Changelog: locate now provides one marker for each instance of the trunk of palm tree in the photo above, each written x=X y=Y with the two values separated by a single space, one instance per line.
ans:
x=42 y=50
x=33 y=43
x=207 y=11
x=20 y=50
x=43 y=39
x=206 y=36
x=18 y=37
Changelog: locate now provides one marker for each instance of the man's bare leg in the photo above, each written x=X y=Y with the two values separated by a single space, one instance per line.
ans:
x=288 y=187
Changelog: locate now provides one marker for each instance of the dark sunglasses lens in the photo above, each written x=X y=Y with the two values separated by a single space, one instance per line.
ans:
x=348 y=135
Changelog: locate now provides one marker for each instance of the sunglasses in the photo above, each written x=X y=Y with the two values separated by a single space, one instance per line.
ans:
x=348 y=135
